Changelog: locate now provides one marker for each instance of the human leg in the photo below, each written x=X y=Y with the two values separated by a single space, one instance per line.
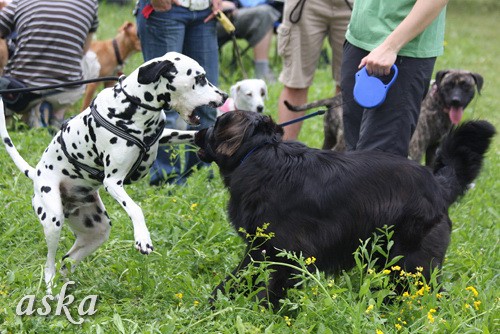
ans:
x=200 y=44
x=296 y=96
x=299 y=45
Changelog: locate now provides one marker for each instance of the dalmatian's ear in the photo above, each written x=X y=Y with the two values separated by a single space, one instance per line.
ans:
x=151 y=72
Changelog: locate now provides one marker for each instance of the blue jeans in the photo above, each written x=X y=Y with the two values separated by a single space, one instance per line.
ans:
x=180 y=30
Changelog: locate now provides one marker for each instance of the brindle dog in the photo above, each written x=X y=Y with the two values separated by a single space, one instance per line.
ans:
x=442 y=108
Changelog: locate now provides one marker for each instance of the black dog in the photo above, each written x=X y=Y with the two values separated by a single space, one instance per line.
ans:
x=321 y=203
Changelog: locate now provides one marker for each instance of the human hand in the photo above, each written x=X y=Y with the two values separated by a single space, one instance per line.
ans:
x=379 y=61
x=163 y=5
x=216 y=6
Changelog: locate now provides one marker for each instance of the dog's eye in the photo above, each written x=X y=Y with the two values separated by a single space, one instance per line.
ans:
x=201 y=80
x=249 y=94
x=262 y=93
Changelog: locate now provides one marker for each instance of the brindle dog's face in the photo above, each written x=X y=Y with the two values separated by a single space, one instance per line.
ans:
x=234 y=134
x=456 y=89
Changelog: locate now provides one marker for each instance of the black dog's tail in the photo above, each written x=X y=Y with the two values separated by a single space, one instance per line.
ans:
x=461 y=156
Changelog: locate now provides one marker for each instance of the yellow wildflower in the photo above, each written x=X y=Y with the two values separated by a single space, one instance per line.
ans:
x=310 y=260
x=378 y=331
x=196 y=303
x=420 y=269
x=398 y=327
x=396 y=268
x=429 y=315
x=288 y=321
x=174 y=200
x=386 y=271
x=193 y=206
x=476 y=304
x=473 y=290
x=369 y=308
x=179 y=295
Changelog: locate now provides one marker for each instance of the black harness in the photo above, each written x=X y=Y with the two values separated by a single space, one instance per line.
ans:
x=144 y=146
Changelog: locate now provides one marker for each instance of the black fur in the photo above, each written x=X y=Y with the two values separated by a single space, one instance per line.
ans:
x=321 y=203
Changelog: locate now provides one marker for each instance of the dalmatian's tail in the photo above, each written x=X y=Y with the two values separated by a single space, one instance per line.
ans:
x=11 y=149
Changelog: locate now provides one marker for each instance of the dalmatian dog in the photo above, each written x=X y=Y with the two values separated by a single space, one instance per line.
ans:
x=112 y=143
x=248 y=94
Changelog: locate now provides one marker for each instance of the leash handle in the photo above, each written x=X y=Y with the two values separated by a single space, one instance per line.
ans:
x=225 y=22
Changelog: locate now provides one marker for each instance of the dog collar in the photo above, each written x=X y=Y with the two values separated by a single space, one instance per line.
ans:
x=134 y=100
x=253 y=151
x=119 y=59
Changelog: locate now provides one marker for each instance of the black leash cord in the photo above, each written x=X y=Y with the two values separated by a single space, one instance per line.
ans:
x=299 y=119
x=76 y=83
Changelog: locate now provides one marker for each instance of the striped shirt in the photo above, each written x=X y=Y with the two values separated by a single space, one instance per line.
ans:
x=50 y=39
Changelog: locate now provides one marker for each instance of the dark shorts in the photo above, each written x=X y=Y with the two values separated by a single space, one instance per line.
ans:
x=251 y=23
x=390 y=126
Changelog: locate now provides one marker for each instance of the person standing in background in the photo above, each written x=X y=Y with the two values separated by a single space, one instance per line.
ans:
x=187 y=27
x=300 y=41
x=408 y=33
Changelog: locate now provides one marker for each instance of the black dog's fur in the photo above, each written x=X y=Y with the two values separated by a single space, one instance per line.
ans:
x=322 y=203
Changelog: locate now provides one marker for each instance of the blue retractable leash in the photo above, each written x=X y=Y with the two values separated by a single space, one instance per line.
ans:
x=369 y=92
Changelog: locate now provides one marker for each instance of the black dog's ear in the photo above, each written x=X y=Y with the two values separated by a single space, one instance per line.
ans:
x=440 y=75
x=152 y=72
x=478 y=79
x=230 y=137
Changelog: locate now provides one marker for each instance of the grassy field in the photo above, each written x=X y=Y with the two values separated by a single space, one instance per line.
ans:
x=195 y=247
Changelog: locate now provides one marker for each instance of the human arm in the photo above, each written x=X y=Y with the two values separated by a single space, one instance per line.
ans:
x=216 y=6
x=380 y=60
x=163 y=5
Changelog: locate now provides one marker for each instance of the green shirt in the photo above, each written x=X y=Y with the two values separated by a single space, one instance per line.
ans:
x=373 y=20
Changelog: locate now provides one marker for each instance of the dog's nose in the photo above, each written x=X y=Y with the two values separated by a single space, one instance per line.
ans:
x=260 y=108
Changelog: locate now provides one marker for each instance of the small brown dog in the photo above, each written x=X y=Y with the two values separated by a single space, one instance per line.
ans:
x=111 y=54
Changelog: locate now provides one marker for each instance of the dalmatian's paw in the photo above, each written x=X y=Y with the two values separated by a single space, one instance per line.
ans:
x=144 y=244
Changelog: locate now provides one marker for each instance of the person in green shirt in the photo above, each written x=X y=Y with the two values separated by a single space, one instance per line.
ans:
x=381 y=33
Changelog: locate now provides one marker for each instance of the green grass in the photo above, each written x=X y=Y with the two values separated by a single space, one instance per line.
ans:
x=195 y=247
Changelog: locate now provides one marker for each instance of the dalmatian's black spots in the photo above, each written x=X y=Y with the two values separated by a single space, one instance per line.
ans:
x=164 y=98
x=108 y=160
x=97 y=218
x=91 y=133
x=189 y=71
x=148 y=97
x=88 y=222
x=201 y=80
x=51 y=167
x=58 y=223
x=177 y=58
x=38 y=172
x=39 y=210
x=8 y=142
x=44 y=215
x=124 y=203
x=86 y=138
x=65 y=172
x=113 y=140
x=74 y=146
x=54 y=219
x=114 y=171
x=27 y=173
x=185 y=136
x=45 y=189
x=89 y=154
x=171 y=88
x=80 y=156
x=119 y=182
x=59 y=158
